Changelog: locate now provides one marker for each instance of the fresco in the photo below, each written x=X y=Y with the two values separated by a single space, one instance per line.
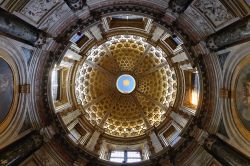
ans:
x=6 y=89
x=243 y=96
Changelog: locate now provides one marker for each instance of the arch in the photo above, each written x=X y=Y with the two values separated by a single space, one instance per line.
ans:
x=237 y=132
x=10 y=127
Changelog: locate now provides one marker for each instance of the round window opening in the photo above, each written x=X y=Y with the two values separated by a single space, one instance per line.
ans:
x=125 y=84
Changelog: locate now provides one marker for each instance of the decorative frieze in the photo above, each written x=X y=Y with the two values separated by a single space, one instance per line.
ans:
x=60 y=13
x=214 y=11
x=201 y=24
x=35 y=10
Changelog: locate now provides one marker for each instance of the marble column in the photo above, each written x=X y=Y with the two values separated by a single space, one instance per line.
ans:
x=18 y=151
x=18 y=29
x=235 y=33
x=224 y=153
x=75 y=4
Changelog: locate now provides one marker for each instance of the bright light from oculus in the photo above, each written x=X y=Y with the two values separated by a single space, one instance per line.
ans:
x=125 y=84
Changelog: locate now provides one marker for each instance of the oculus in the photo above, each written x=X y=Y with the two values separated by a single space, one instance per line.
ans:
x=125 y=83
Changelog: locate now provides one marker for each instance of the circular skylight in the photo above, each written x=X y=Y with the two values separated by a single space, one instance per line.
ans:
x=125 y=83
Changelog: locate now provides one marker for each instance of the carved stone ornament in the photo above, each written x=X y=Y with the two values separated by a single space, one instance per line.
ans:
x=208 y=143
x=76 y=4
x=211 y=44
x=214 y=10
x=36 y=9
x=40 y=40
x=198 y=20
x=59 y=13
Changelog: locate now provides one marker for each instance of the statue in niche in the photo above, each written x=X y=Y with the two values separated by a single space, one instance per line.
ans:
x=6 y=89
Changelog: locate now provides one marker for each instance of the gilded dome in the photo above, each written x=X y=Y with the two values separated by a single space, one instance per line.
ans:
x=120 y=114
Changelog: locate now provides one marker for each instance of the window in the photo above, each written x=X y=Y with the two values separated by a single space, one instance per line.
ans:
x=76 y=37
x=79 y=39
x=75 y=133
x=125 y=156
x=55 y=84
x=117 y=156
x=133 y=156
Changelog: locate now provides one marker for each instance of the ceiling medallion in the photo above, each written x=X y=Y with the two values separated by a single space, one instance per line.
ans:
x=125 y=84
